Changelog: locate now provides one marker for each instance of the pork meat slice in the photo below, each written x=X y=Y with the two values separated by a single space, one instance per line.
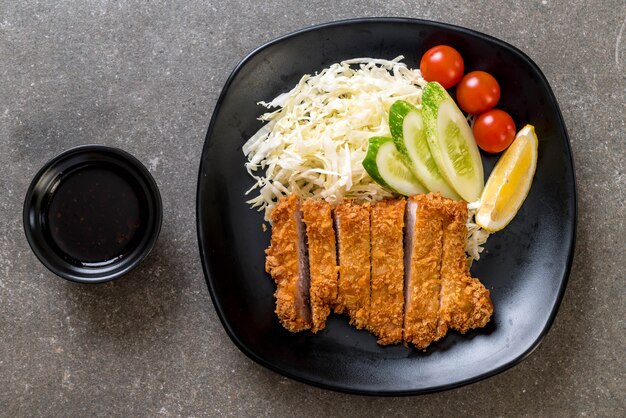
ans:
x=387 y=282
x=465 y=302
x=287 y=262
x=423 y=249
x=317 y=216
x=352 y=223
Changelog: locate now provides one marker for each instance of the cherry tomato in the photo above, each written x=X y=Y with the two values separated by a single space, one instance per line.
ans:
x=477 y=92
x=494 y=130
x=443 y=64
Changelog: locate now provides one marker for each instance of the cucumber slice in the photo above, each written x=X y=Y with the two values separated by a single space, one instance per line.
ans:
x=407 y=128
x=384 y=164
x=452 y=143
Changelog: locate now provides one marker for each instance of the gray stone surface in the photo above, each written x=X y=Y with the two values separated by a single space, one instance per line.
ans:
x=144 y=76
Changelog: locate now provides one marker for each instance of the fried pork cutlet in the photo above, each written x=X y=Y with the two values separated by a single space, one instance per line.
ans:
x=317 y=216
x=465 y=302
x=410 y=290
x=422 y=260
x=287 y=262
x=387 y=283
x=352 y=223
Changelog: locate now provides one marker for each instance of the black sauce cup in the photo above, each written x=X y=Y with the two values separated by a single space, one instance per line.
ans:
x=42 y=191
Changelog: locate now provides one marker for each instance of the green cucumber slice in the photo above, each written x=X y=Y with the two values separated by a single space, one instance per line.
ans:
x=407 y=128
x=385 y=165
x=452 y=143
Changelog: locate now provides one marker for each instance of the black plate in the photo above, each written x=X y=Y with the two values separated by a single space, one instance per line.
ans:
x=525 y=266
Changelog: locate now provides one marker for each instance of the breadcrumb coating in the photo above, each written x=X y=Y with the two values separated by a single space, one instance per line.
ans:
x=423 y=279
x=284 y=263
x=387 y=282
x=317 y=216
x=353 y=233
x=465 y=302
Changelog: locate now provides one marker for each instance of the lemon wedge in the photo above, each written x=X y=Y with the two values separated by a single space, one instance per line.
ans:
x=509 y=182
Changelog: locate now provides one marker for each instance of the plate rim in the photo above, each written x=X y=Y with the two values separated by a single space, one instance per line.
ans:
x=202 y=245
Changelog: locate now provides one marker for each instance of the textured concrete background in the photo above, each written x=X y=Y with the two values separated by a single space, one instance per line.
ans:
x=144 y=76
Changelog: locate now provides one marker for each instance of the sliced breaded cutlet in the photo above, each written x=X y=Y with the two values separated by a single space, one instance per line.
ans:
x=465 y=302
x=352 y=224
x=287 y=262
x=423 y=250
x=317 y=216
x=387 y=281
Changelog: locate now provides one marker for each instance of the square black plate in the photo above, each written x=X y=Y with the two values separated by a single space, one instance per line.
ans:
x=525 y=266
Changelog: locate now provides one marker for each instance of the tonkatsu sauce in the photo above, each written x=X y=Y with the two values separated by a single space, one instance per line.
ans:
x=95 y=215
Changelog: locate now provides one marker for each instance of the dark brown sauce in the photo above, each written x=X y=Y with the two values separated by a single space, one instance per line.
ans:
x=95 y=215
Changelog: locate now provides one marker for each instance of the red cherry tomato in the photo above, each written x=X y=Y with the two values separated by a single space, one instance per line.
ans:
x=443 y=64
x=494 y=130
x=477 y=92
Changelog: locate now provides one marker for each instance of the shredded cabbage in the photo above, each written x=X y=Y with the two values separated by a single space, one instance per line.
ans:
x=314 y=144
x=476 y=236
x=316 y=138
